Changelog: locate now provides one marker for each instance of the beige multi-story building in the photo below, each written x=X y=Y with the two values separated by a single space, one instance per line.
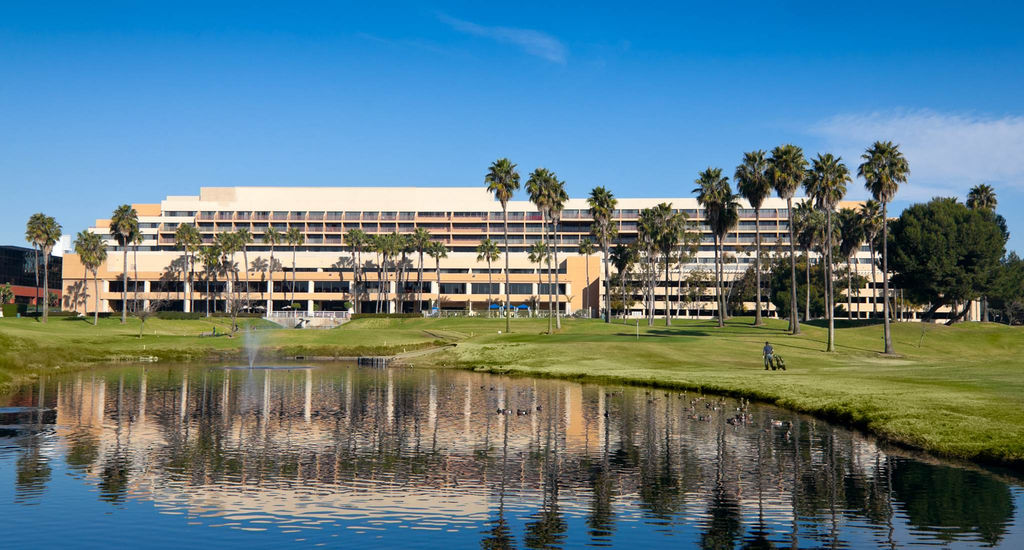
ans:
x=459 y=217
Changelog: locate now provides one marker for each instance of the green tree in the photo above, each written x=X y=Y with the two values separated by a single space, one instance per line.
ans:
x=556 y=202
x=884 y=169
x=244 y=239
x=753 y=183
x=721 y=214
x=209 y=256
x=186 y=237
x=871 y=216
x=586 y=249
x=1006 y=294
x=33 y=234
x=272 y=237
x=6 y=294
x=623 y=257
x=46 y=232
x=826 y=186
x=437 y=251
x=602 y=207
x=502 y=180
x=124 y=224
x=538 y=186
x=539 y=254
x=295 y=238
x=420 y=240
x=488 y=251
x=786 y=171
x=358 y=240
x=809 y=226
x=945 y=254
x=648 y=228
x=982 y=197
x=92 y=253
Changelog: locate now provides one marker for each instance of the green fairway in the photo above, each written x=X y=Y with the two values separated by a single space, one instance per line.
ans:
x=957 y=391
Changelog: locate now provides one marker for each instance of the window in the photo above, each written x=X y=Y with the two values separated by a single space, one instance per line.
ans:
x=453 y=288
x=330 y=286
x=520 y=288
x=482 y=288
x=544 y=288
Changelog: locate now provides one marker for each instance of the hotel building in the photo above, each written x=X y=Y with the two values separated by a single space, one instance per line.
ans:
x=459 y=217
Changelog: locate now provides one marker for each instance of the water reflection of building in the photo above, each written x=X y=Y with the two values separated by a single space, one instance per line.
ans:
x=320 y=442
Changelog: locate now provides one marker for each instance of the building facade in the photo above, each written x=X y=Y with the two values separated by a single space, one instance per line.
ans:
x=318 y=274
x=18 y=268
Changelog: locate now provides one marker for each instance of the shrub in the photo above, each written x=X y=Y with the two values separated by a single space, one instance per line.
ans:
x=12 y=310
x=178 y=315
x=386 y=316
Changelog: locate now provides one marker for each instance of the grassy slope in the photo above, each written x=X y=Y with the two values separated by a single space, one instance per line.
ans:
x=958 y=394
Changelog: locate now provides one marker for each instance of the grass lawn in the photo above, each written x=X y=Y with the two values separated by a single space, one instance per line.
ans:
x=956 y=391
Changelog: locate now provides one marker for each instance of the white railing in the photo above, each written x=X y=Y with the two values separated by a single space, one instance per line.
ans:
x=299 y=314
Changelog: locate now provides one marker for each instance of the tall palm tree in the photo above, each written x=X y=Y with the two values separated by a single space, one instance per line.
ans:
x=982 y=197
x=33 y=234
x=228 y=245
x=186 y=237
x=753 y=183
x=557 y=197
x=538 y=187
x=721 y=214
x=92 y=253
x=124 y=224
x=272 y=237
x=502 y=179
x=296 y=238
x=809 y=225
x=47 y=232
x=649 y=228
x=871 y=218
x=786 y=172
x=623 y=256
x=136 y=241
x=357 y=240
x=670 y=232
x=826 y=186
x=602 y=208
x=244 y=238
x=851 y=228
x=437 y=250
x=488 y=251
x=884 y=169
x=420 y=240
x=586 y=249
x=539 y=255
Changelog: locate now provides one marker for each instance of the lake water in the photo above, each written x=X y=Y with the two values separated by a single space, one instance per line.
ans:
x=338 y=455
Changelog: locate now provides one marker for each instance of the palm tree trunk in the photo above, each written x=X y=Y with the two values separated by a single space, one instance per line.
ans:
x=419 y=285
x=885 y=279
x=293 y=277
x=135 y=275
x=586 y=288
x=35 y=250
x=540 y=281
x=874 y=284
x=849 y=289
x=668 y=304
x=508 y=295
x=490 y=298
x=720 y=280
x=558 y=289
x=757 y=265
x=96 y=298
x=807 y=289
x=607 y=289
x=245 y=259
x=831 y=294
x=437 y=266
x=46 y=284
x=270 y=277
x=550 y=291
x=124 y=285
x=794 y=320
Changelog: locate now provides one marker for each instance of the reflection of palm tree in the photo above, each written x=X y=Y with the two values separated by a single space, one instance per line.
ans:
x=500 y=535
x=725 y=523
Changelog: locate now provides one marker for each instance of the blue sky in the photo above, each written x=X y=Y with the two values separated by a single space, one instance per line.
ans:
x=133 y=101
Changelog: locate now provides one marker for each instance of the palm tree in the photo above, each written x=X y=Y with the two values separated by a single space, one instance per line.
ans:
x=437 y=250
x=556 y=201
x=538 y=187
x=809 y=226
x=136 y=241
x=47 y=232
x=488 y=251
x=357 y=240
x=649 y=227
x=272 y=237
x=33 y=233
x=186 y=237
x=228 y=245
x=884 y=169
x=539 y=255
x=124 y=224
x=586 y=249
x=753 y=183
x=502 y=179
x=623 y=257
x=826 y=186
x=92 y=253
x=209 y=256
x=244 y=238
x=851 y=228
x=871 y=216
x=420 y=240
x=602 y=207
x=721 y=214
x=982 y=197
x=786 y=171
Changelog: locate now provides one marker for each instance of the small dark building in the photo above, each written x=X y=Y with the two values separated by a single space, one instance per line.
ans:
x=17 y=267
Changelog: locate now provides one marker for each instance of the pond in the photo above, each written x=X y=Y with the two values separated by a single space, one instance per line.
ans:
x=340 y=455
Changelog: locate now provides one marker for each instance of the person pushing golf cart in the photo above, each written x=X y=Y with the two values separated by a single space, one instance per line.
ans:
x=771 y=360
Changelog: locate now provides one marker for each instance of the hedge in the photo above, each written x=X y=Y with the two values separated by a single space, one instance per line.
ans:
x=178 y=315
x=12 y=310
x=386 y=316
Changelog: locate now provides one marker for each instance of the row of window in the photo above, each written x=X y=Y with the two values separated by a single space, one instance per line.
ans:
x=299 y=215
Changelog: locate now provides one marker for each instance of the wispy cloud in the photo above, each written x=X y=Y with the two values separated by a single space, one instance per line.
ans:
x=533 y=42
x=948 y=153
